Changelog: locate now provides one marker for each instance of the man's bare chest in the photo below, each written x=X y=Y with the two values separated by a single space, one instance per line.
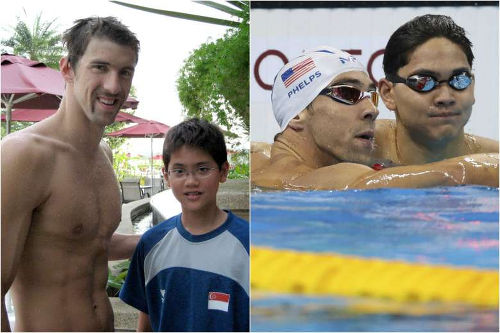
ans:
x=83 y=204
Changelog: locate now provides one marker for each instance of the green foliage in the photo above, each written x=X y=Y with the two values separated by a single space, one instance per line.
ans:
x=15 y=126
x=214 y=81
x=114 y=142
x=121 y=164
x=41 y=42
x=240 y=168
x=116 y=278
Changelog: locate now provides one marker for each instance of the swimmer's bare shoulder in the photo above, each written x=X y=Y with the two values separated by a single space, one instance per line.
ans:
x=384 y=126
x=478 y=144
x=260 y=155
x=384 y=138
x=280 y=171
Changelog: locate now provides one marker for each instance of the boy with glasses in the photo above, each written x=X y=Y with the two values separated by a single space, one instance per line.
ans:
x=326 y=106
x=429 y=85
x=191 y=272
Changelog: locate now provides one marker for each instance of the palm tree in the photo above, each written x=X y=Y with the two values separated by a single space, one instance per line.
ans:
x=41 y=42
x=242 y=8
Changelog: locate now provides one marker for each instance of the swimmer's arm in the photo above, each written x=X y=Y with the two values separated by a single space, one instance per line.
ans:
x=25 y=175
x=477 y=169
x=333 y=177
x=122 y=246
x=143 y=324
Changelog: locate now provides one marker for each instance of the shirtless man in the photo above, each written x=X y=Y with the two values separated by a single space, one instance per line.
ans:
x=429 y=85
x=60 y=198
x=325 y=104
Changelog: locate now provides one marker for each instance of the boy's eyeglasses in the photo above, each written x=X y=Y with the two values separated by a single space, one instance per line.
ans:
x=349 y=95
x=199 y=172
x=425 y=83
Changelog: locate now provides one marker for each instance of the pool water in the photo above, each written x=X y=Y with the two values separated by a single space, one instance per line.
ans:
x=455 y=226
x=300 y=313
x=142 y=223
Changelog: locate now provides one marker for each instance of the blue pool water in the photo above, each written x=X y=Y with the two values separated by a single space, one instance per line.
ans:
x=448 y=225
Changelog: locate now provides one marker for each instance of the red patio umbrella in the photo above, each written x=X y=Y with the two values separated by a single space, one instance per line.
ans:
x=31 y=84
x=40 y=114
x=148 y=129
x=151 y=129
x=129 y=118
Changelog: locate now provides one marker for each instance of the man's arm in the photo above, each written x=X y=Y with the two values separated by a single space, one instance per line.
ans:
x=478 y=169
x=25 y=175
x=122 y=246
x=144 y=324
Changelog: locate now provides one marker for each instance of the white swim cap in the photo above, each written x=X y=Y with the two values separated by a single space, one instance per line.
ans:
x=299 y=82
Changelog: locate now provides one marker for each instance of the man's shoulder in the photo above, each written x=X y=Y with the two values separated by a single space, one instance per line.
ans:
x=32 y=140
x=384 y=139
x=261 y=147
x=384 y=130
x=28 y=148
x=478 y=144
x=283 y=167
x=385 y=124
x=28 y=167
x=260 y=155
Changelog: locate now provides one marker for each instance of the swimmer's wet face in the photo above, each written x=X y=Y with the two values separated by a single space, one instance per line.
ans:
x=441 y=112
x=342 y=130
x=102 y=80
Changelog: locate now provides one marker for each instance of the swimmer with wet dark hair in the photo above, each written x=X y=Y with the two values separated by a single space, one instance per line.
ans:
x=429 y=85
x=326 y=106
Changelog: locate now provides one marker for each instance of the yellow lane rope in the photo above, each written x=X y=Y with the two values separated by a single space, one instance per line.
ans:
x=311 y=273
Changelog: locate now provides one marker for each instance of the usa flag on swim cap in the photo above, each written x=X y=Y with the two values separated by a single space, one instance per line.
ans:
x=293 y=73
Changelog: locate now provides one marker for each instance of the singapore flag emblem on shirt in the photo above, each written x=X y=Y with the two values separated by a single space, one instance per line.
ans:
x=218 y=301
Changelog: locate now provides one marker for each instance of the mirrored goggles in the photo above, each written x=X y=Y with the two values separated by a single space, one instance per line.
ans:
x=349 y=95
x=425 y=83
